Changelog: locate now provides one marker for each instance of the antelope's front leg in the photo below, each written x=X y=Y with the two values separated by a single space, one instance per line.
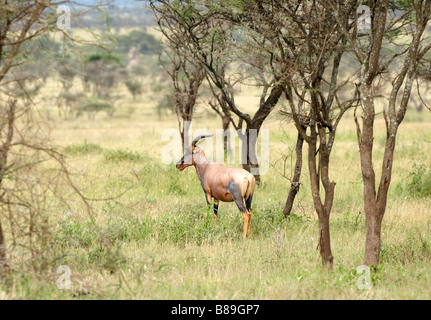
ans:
x=216 y=210
x=208 y=198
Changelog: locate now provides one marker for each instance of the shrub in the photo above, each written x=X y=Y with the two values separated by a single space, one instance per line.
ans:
x=135 y=87
x=420 y=182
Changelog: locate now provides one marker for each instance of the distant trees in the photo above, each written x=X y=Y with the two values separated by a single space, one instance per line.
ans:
x=143 y=41
x=103 y=71
x=132 y=57
x=134 y=86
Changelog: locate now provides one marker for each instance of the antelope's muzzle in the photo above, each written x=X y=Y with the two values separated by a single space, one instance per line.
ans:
x=180 y=164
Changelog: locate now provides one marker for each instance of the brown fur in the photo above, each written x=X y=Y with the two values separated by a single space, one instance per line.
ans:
x=218 y=182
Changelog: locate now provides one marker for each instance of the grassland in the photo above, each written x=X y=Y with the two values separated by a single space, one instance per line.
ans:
x=165 y=242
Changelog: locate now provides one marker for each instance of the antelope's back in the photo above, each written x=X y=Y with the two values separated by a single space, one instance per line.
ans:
x=223 y=181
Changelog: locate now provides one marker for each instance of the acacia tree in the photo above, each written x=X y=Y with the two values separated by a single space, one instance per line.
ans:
x=104 y=71
x=306 y=49
x=389 y=19
x=202 y=27
x=186 y=74
x=300 y=48
x=26 y=187
x=29 y=15
x=187 y=77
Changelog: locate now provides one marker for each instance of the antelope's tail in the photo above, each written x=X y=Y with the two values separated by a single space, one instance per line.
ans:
x=247 y=185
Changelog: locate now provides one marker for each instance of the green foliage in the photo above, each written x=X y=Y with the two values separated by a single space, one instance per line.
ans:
x=420 y=182
x=192 y=224
x=104 y=71
x=350 y=221
x=104 y=57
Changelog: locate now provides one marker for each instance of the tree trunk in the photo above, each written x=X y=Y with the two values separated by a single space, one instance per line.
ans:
x=226 y=136
x=184 y=123
x=374 y=200
x=249 y=143
x=325 y=240
x=4 y=149
x=375 y=207
x=3 y=261
x=373 y=236
x=294 y=188
x=323 y=210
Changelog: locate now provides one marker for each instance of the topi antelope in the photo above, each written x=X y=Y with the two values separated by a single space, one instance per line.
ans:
x=221 y=183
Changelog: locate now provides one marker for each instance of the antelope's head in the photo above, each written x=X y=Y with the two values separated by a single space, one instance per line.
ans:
x=192 y=154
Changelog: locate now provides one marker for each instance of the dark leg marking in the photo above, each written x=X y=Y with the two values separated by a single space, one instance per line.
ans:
x=202 y=181
x=235 y=191
x=248 y=203
x=215 y=208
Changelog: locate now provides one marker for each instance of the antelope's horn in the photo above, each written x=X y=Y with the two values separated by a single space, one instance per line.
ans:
x=195 y=140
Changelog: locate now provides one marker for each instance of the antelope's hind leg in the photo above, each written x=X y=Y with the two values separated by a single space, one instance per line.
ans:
x=235 y=191
x=240 y=204
x=248 y=209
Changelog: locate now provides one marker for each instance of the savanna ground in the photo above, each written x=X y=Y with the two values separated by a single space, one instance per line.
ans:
x=167 y=245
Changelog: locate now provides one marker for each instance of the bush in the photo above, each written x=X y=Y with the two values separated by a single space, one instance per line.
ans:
x=420 y=182
x=135 y=87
